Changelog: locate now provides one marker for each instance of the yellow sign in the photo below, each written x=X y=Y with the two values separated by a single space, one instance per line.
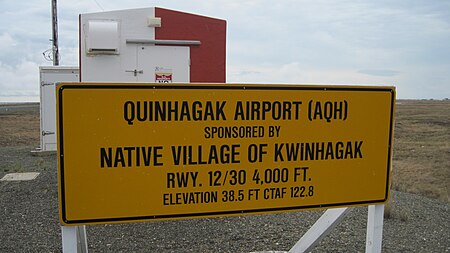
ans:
x=137 y=152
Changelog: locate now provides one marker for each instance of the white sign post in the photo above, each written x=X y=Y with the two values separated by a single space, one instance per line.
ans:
x=374 y=228
x=74 y=239
x=323 y=226
x=331 y=218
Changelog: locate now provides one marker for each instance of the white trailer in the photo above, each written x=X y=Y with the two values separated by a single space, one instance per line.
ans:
x=48 y=77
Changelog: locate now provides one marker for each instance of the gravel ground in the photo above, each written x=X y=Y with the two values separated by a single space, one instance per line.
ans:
x=29 y=222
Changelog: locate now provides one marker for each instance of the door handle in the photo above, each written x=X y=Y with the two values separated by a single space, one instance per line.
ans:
x=135 y=72
x=44 y=133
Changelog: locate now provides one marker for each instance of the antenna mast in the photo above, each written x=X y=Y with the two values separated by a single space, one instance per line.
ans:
x=55 y=34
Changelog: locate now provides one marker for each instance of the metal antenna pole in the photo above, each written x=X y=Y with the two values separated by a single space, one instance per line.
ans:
x=55 y=34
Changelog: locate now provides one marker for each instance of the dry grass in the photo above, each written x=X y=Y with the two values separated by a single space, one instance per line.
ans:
x=421 y=162
x=388 y=209
x=19 y=125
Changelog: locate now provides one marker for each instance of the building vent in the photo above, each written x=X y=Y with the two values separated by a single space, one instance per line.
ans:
x=102 y=37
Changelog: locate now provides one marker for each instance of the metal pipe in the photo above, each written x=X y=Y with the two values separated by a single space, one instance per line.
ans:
x=164 y=42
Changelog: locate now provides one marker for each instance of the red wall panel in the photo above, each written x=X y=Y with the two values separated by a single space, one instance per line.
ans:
x=208 y=60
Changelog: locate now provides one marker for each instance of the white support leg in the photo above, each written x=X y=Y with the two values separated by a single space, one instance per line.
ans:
x=374 y=229
x=74 y=239
x=319 y=230
x=69 y=239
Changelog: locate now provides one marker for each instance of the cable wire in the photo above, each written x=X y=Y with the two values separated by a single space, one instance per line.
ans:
x=99 y=5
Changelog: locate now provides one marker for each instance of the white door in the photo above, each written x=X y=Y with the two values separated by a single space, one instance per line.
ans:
x=140 y=63
x=48 y=117
x=49 y=76
x=163 y=64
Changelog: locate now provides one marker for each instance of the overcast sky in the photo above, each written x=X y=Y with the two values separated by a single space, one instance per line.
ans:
x=392 y=42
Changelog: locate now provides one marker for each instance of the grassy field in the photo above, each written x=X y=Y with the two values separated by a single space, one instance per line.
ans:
x=421 y=161
x=19 y=125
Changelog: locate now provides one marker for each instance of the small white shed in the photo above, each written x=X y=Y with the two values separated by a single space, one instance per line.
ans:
x=48 y=77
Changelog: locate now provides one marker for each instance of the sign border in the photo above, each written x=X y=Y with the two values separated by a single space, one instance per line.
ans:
x=63 y=86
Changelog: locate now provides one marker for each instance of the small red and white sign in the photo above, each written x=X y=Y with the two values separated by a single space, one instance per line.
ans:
x=163 y=75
